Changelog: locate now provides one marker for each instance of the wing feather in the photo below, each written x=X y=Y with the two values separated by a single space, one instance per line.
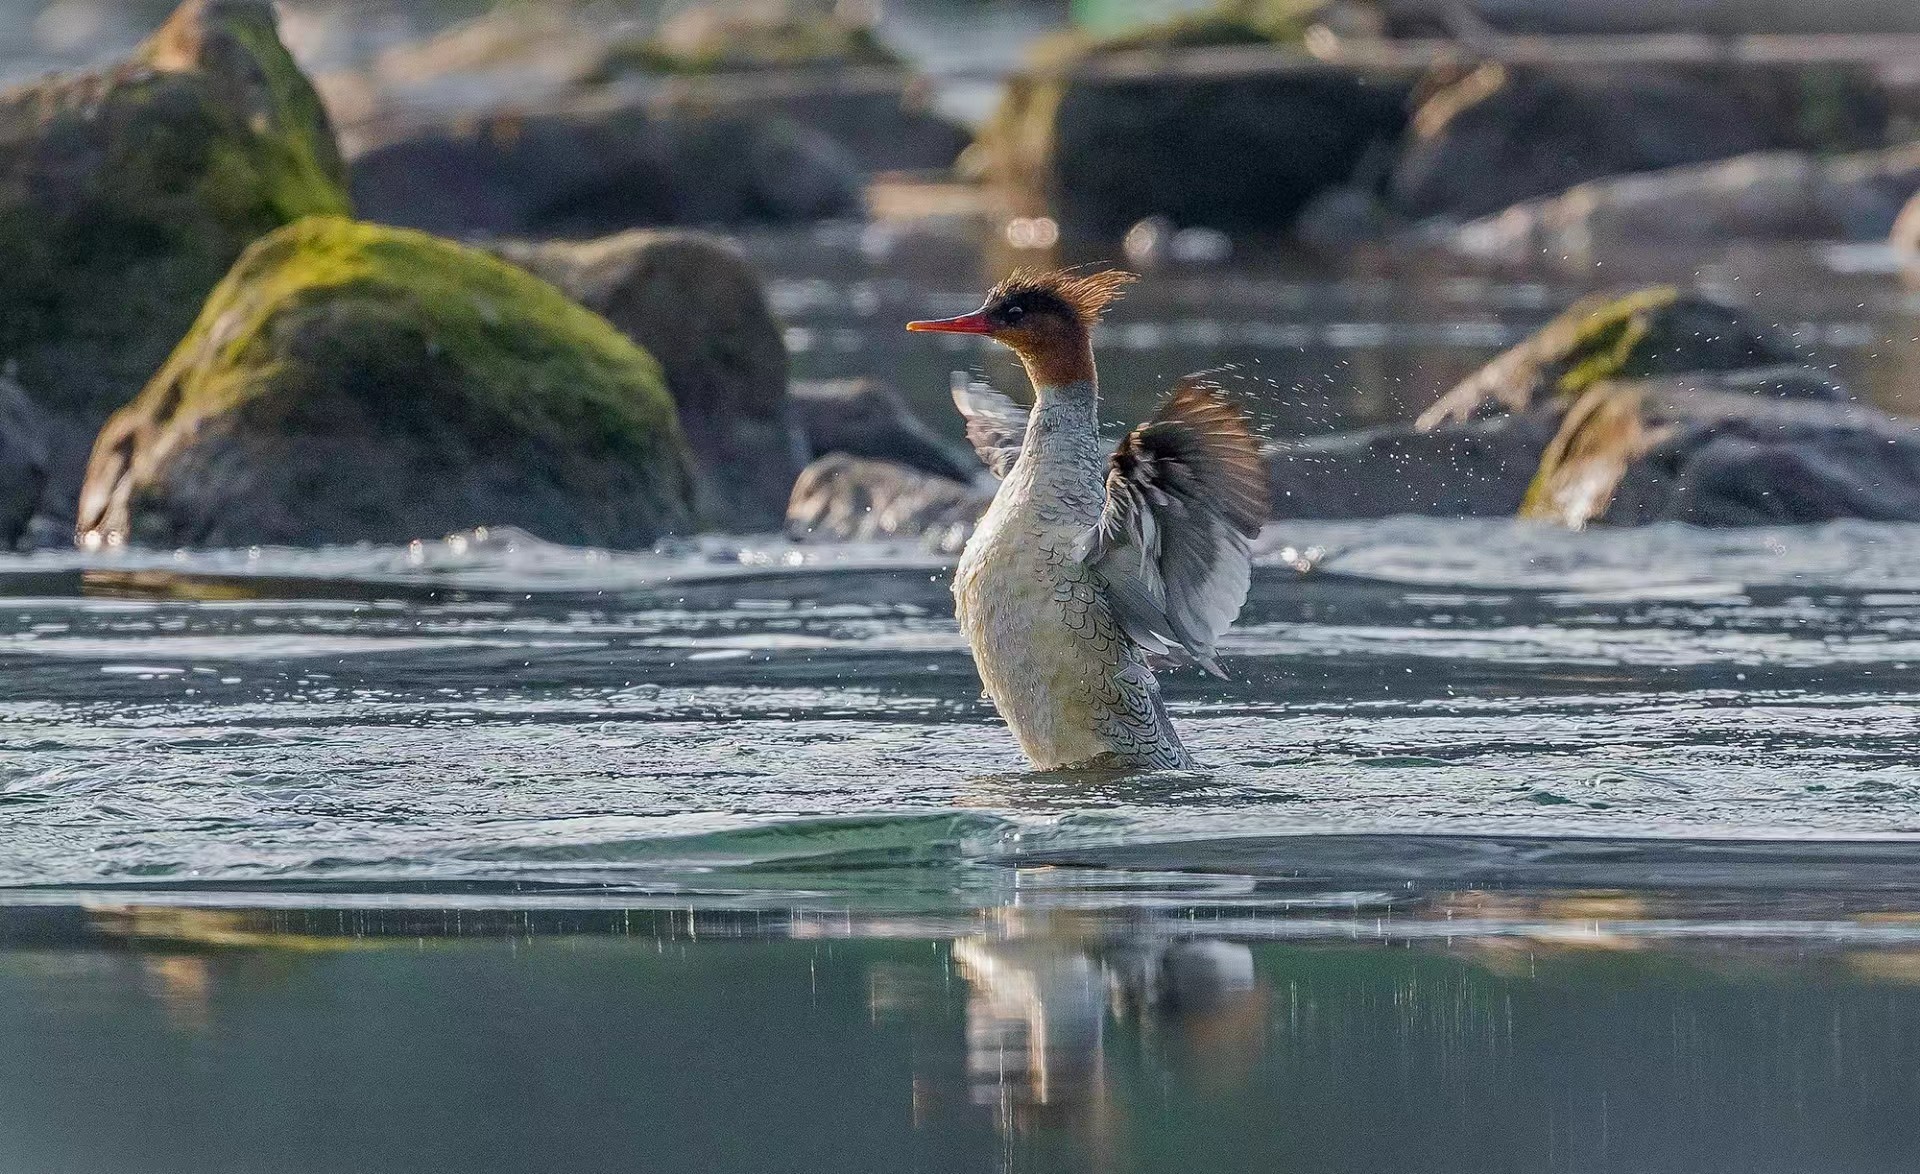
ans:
x=1186 y=491
x=996 y=426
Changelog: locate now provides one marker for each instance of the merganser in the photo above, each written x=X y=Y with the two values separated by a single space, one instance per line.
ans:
x=1086 y=569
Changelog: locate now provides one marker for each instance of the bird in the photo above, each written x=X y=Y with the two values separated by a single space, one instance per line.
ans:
x=1089 y=569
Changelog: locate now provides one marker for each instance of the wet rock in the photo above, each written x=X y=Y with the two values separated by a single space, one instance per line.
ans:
x=746 y=37
x=1653 y=331
x=594 y=168
x=1502 y=135
x=1480 y=450
x=126 y=193
x=1771 y=197
x=24 y=435
x=351 y=383
x=1239 y=154
x=697 y=306
x=817 y=69
x=866 y=418
x=887 y=124
x=1723 y=450
x=847 y=498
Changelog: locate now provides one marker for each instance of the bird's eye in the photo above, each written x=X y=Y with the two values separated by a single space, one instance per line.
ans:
x=1013 y=313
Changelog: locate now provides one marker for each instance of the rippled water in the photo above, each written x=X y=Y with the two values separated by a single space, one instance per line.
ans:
x=496 y=709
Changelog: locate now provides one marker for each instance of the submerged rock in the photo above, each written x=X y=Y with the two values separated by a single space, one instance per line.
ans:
x=351 y=383
x=1781 y=196
x=592 y=168
x=1502 y=135
x=126 y=193
x=846 y=498
x=1247 y=153
x=696 y=305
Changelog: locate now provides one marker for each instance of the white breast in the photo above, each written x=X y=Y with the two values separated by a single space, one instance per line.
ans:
x=1034 y=666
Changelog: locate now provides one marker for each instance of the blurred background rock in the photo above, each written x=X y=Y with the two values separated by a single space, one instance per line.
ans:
x=1307 y=183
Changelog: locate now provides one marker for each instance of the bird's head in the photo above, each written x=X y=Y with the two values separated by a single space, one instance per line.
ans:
x=1045 y=318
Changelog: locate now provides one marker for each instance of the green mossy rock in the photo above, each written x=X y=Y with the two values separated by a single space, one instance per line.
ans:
x=1658 y=330
x=125 y=194
x=1234 y=154
x=349 y=383
x=1740 y=448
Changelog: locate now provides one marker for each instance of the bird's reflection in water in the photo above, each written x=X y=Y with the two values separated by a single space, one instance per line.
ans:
x=1041 y=1007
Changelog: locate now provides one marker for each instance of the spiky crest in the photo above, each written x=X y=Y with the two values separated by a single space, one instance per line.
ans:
x=1084 y=295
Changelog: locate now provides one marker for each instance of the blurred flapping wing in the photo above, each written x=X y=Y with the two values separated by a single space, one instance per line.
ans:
x=1186 y=491
x=996 y=426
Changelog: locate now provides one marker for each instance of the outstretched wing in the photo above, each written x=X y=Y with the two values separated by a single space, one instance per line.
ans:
x=996 y=426
x=1185 y=493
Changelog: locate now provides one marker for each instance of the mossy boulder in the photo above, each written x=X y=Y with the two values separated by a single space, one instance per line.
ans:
x=1099 y=150
x=695 y=304
x=1499 y=135
x=593 y=168
x=1657 y=330
x=348 y=382
x=1523 y=434
x=1725 y=449
x=126 y=193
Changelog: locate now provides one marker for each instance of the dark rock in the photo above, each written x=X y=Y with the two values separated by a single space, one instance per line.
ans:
x=1482 y=448
x=812 y=70
x=350 y=383
x=886 y=124
x=1501 y=135
x=1479 y=468
x=744 y=38
x=1232 y=154
x=126 y=193
x=24 y=452
x=1654 y=331
x=1707 y=450
x=846 y=498
x=866 y=418
x=591 y=169
x=697 y=306
x=1772 y=197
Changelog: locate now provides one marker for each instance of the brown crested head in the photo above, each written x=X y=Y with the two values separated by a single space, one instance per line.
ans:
x=1045 y=317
